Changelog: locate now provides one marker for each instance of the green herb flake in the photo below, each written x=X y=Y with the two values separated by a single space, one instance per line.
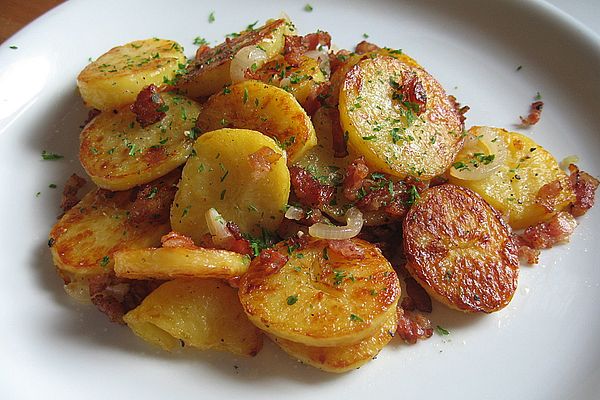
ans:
x=211 y=17
x=367 y=138
x=13 y=47
x=441 y=331
x=104 y=261
x=325 y=253
x=365 y=35
x=152 y=193
x=291 y=300
x=355 y=318
x=50 y=156
x=223 y=194
x=245 y=98
x=52 y=186
x=200 y=41
x=308 y=8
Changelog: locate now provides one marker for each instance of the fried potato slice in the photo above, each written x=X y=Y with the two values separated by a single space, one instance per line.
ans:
x=210 y=71
x=116 y=77
x=385 y=123
x=460 y=250
x=169 y=263
x=342 y=358
x=264 y=108
x=119 y=154
x=529 y=187
x=320 y=297
x=227 y=175
x=84 y=240
x=201 y=313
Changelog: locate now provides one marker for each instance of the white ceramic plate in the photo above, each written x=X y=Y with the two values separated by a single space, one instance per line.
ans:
x=543 y=346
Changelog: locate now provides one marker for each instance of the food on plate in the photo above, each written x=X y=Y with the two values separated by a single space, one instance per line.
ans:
x=119 y=153
x=460 y=250
x=264 y=108
x=514 y=174
x=116 y=77
x=275 y=185
x=201 y=313
x=239 y=172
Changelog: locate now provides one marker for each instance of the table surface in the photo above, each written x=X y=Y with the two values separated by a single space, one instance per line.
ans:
x=17 y=13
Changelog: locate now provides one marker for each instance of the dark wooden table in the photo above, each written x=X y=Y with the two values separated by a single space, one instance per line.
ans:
x=15 y=14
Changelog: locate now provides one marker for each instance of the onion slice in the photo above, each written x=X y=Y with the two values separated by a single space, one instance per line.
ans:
x=323 y=58
x=217 y=226
x=484 y=153
x=249 y=57
x=294 y=213
x=354 y=223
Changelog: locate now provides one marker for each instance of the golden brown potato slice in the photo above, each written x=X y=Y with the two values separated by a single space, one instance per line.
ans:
x=85 y=239
x=119 y=154
x=342 y=358
x=399 y=117
x=527 y=185
x=460 y=250
x=263 y=108
x=210 y=71
x=242 y=174
x=320 y=297
x=170 y=263
x=116 y=77
x=201 y=313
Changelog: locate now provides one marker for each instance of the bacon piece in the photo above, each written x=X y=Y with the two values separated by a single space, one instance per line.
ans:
x=269 y=262
x=336 y=60
x=346 y=248
x=313 y=100
x=69 y=195
x=546 y=234
x=413 y=326
x=147 y=106
x=413 y=93
x=461 y=110
x=261 y=162
x=308 y=189
x=201 y=51
x=526 y=253
x=419 y=296
x=116 y=296
x=535 y=112
x=584 y=185
x=356 y=173
x=338 y=138
x=547 y=195
x=295 y=46
x=237 y=243
x=365 y=47
x=152 y=204
x=178 y=240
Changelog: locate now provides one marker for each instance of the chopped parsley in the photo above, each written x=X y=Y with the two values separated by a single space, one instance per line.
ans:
x=152 y=193
x=355 y=318
x=308 y=8
x=104 y=261
x=13 y=47
x=291 y=300
x=50 y=156
x=200 y=41
x=441 y=331
x=211 y=17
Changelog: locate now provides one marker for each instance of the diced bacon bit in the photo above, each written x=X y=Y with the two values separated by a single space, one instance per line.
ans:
x=201 y=50
x=298 y=241
x=93 y=113
x=69 y=195
x=261 y=162
x=418 y=295
x=365 y=47
x=546 y=234
x=356 y=173
x=147 y=106
x=269 y=262
x=461 y=110
x=535 y=112
x=152 y=204
x=336 y=60
x=313 y=100
x=178 y=240
x=548 y=194
x=237 y=243
x=438 y=180
x=385 y=237
x=346 y=248
x=296 y=46
x=527 y=254
x=308 y=189
x=116 y=296
x=413 y=326
x=584 y=185
x=338 y=137
x=413 y=92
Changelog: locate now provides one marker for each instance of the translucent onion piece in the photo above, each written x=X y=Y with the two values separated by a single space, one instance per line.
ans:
x=572 y=159
x=249 y=57
x=323 y=58
x=79 y=290
x=294 y=213
x=354 y=223
x=217 y=226
x=480 y=137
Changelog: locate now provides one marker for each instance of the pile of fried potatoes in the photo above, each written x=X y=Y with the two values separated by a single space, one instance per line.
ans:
x=243 y=101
